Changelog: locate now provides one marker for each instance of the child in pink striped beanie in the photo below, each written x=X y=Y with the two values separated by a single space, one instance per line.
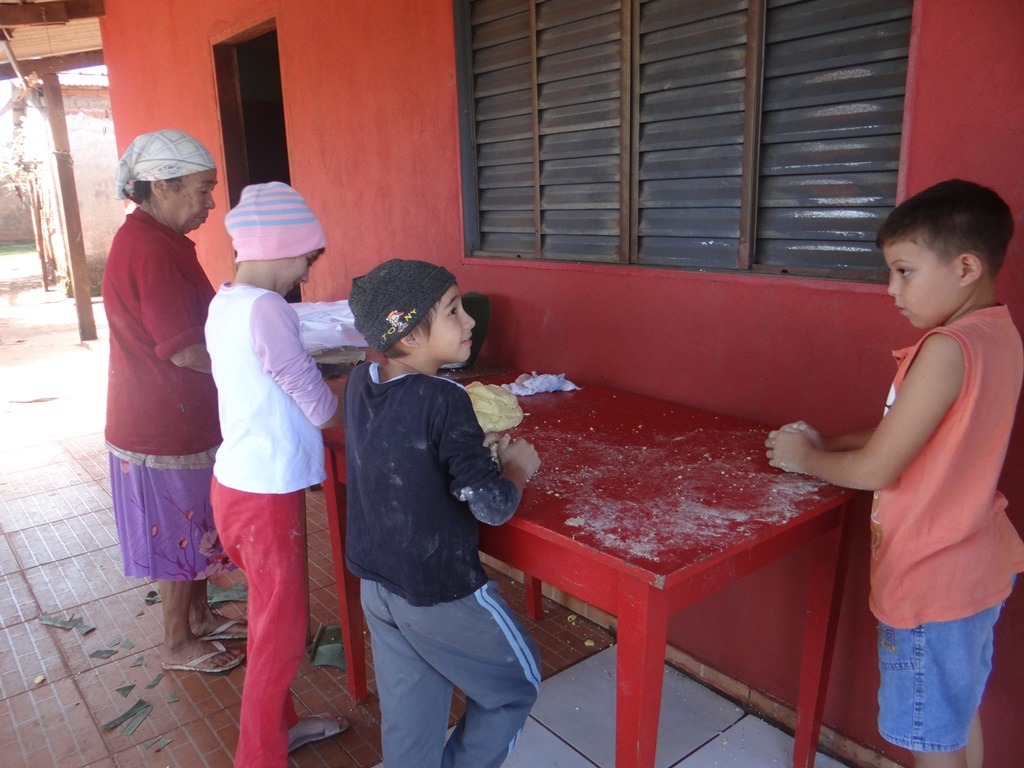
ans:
x=272 y=221
x=272 y=405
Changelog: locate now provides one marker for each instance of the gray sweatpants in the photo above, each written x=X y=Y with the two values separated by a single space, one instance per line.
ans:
x=420 y=653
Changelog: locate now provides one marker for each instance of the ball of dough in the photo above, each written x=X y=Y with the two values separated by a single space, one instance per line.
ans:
x=496 y=409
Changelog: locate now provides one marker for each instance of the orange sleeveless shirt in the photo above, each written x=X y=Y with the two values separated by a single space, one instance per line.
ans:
x=942 y=547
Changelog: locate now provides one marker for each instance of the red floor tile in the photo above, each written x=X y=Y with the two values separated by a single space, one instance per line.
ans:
x=47 y=727
x=61 y=539
x=178 y=699
x=65 y=584
x=52 y=506
x=59 y=554
x=27 y=651
x=96 y=465
x=17 y=604
x=86 y=445
x=32 y=456
x=55 y=475
x=8 y=563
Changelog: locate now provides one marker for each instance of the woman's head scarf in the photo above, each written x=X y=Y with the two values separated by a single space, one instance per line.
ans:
x=165 y=154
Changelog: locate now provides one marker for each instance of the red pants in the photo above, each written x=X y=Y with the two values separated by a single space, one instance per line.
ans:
x=263 y=535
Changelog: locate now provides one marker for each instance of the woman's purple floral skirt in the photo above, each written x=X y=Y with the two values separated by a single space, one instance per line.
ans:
x=165 y=522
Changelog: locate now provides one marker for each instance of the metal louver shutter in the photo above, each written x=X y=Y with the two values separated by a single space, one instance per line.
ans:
x=716 y=134
x=690 y=131
x=547 y=128
x=835 y=73
x=580 y=128
x=502 y=90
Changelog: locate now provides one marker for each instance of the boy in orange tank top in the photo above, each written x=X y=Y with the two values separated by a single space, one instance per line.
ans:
x=944 y=555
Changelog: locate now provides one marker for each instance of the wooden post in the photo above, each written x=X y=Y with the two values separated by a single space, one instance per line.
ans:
x=68 y=197
x=37 y=232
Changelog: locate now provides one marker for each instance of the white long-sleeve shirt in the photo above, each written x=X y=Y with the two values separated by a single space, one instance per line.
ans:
x=271 y=395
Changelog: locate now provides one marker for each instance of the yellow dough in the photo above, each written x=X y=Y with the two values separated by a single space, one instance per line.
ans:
x=496 y=409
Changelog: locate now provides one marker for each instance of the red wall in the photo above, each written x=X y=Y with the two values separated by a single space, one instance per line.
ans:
x=371 y=112
x=967 y=107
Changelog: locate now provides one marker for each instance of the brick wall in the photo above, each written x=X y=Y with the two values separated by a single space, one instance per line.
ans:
x=94 y=153
x=15 y=218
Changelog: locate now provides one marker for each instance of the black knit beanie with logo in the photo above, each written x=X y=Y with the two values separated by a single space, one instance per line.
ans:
x=394 y=297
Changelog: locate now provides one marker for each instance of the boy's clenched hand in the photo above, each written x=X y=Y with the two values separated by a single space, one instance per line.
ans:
x=518 y=459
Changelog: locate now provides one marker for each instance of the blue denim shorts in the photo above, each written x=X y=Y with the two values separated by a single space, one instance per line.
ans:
x=933 y=677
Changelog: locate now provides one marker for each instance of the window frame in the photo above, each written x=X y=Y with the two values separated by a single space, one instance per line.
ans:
x=629 y=209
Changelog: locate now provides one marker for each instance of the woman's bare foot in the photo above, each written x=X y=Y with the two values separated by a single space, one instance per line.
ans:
x=214 y=625
x=201 y=656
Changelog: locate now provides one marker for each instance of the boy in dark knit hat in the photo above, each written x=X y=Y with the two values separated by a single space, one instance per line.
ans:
x=420 y=478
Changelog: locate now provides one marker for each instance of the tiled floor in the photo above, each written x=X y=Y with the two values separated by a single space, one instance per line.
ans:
x=59 y=557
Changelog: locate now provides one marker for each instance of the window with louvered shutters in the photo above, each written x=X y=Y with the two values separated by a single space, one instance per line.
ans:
x=709 y=134
x=692 y=72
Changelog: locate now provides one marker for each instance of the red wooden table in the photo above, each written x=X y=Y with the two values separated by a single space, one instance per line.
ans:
x=642 y=507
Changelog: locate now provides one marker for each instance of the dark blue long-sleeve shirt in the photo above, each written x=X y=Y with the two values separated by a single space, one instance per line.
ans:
x=419 y=478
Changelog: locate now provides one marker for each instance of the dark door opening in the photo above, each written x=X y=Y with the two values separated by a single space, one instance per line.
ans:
x=249 y=90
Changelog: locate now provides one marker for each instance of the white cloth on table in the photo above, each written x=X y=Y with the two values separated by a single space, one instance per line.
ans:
x=327 y=324
x=532 y=383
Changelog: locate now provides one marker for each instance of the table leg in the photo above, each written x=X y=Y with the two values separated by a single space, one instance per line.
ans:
x=828 y=573
x=534 y=596
x=345 y=583
x=640 y=668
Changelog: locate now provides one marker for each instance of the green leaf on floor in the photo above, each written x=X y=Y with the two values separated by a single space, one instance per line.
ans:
x=112 y=643
x=53 y=621
x=75 y=622
x=104 y=653
x=136 y=720
x=219 y=595
x=160 y=741
x=152 y=597
x=127 y=644
x=155 y=681
x=137 y=662
x=327 y=650
x=139 y=706
x=124 y=690
x=172 y=698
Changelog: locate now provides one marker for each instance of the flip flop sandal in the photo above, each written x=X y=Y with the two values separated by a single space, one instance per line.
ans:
x=330 y=726
x=223 y=632
x=196 y=664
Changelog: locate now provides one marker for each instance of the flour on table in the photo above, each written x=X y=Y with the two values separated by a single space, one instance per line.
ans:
x=714 y=488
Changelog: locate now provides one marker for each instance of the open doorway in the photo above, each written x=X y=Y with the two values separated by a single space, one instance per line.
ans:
x=249 y=92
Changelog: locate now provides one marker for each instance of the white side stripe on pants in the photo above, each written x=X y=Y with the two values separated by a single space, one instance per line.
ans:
x=515 y=640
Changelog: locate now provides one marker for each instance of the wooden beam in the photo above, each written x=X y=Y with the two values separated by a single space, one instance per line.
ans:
x=29 y=14
x=53 y=64
x=68 y=195
x=5 y=44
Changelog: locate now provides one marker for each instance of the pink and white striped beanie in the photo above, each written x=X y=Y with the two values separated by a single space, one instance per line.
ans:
x=272 y=221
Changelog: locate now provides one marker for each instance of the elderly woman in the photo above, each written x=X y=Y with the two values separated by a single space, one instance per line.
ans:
x=162 y=427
